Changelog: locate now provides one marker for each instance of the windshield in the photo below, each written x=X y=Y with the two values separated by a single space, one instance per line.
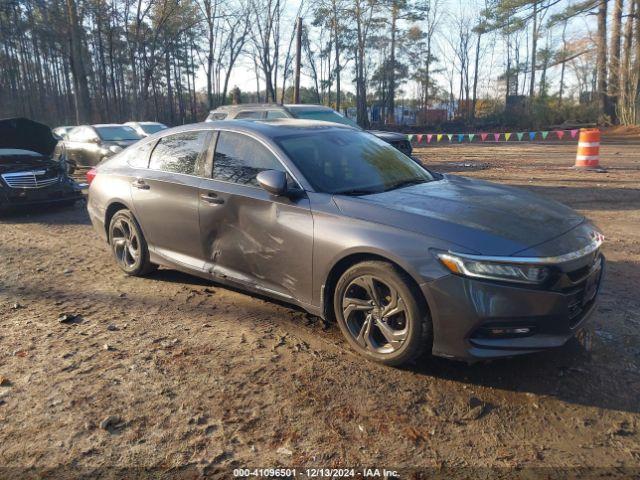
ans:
x=111 y=134
x=323 y=116
x=152 y=127
x=350 y=162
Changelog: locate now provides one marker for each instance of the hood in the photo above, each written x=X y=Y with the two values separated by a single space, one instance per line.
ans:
x=25 y=134
x=485 y=218
x=388 y=136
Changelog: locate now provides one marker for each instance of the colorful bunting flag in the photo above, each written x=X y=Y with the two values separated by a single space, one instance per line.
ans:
x=507 y=136
x=544 y=135
x=520 y=135
x=483 y=136
x=471 y=135
x=574 y=133
x=429 y=137
x=496 y=137
x=460 y=137
x=439 y=137
x=449 y=136
x=410 y=138
x=532 y=135
x=419 y=137
x=560 y=134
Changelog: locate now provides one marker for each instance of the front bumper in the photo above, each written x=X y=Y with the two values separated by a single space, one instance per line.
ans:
x=466 y=313
x=64 y=192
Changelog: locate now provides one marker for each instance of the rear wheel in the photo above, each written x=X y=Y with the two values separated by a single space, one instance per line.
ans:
x=128 y=245
x=380 y=313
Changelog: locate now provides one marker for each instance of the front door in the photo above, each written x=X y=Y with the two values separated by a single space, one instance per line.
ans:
x=248 y=235
x=166 y=201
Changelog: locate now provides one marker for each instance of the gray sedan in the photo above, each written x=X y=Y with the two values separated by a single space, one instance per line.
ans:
x=340 y=223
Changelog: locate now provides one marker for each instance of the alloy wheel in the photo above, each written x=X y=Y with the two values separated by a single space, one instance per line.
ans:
x=375 y=314
x=125 y=243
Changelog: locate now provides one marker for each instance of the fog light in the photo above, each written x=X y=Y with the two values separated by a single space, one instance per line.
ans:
x=504 y=331
x=510 y=331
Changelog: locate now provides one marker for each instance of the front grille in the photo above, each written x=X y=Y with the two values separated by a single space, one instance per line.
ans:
x=584 y=293
x=31 y=179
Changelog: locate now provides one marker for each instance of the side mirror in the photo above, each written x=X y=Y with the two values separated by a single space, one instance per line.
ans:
x=273 y=181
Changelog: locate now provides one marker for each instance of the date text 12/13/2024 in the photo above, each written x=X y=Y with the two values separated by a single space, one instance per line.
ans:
x=315 y=473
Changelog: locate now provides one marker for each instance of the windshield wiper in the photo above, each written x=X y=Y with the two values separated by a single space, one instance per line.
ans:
x=356 y=192
x=405 y=183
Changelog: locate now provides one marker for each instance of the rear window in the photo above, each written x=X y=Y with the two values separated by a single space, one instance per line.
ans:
x=152 y=128
x=324 y=116
x=116 y=133
x=276 y=114
x=250 y=114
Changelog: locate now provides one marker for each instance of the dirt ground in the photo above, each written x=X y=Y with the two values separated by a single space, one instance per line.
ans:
x=181 y=376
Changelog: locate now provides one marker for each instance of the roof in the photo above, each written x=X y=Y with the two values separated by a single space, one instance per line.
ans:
x=98 y=125
x=268 y=129
x=143 y=123
x=267 y=106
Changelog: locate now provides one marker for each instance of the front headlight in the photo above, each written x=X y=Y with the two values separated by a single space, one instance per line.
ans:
x=507 y=272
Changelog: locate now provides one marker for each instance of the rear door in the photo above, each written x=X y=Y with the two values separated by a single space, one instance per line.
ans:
x=165 y=197
x=248 y=235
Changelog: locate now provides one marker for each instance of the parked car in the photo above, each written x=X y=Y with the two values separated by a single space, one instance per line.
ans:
x=269 y=111
x=144 y=129
x=338 y=222
x=88 y=145
x=61 y=133
x=28 y=174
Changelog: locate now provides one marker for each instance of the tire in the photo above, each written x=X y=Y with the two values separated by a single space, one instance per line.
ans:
x=392 y=328
x=128 y=245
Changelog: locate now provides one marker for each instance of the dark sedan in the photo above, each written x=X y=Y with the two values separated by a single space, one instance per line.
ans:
x=28 y=174
x=88 y=145
x=334 y=220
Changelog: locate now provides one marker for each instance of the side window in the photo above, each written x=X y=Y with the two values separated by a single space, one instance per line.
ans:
x=137 y=156
x=179 y=153
x=276 y=114
x=239 y=158
x=250 y=114
x=217 y=116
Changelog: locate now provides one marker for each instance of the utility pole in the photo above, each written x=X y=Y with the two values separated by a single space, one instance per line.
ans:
x=296 y=88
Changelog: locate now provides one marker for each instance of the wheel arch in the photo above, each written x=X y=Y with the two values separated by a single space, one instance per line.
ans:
x=114 y=207
x=346 y=262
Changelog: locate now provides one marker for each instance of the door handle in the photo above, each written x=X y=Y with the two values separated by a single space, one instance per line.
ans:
x=140 y=184
x=211 y=198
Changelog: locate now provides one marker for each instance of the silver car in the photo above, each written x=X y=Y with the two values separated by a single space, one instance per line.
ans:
x=338 y=222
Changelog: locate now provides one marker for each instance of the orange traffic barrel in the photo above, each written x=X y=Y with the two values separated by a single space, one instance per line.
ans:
x=588 y=155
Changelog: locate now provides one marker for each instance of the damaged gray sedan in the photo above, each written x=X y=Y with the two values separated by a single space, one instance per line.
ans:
x=338 y=222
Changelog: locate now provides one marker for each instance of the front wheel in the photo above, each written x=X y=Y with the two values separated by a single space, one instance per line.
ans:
x=128 y=244
x=381 y=314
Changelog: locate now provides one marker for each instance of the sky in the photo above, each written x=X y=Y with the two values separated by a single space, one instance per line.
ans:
x=492 y=55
